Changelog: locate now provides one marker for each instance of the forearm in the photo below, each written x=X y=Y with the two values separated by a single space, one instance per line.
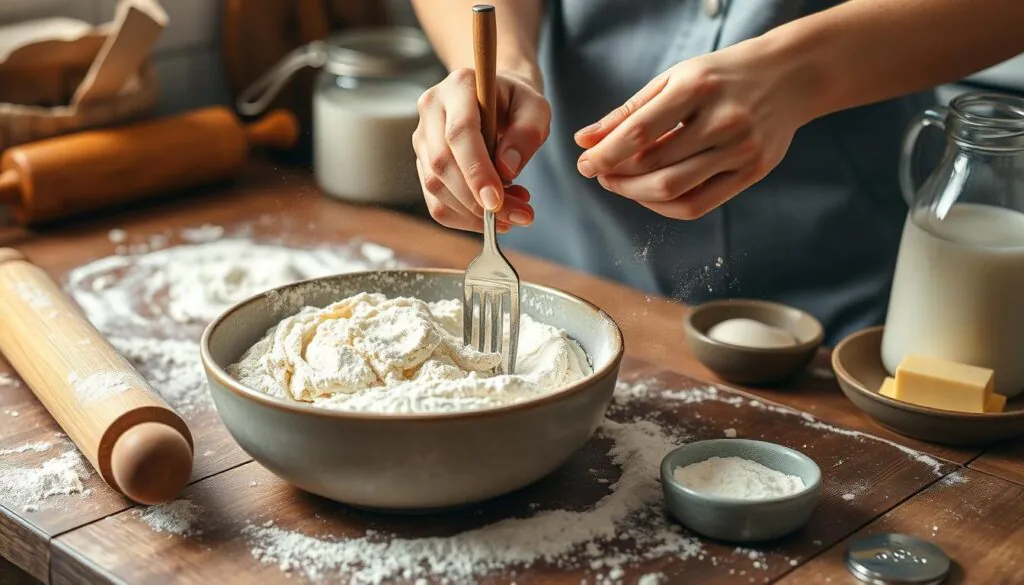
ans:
x=448 y=24
x=865 y=51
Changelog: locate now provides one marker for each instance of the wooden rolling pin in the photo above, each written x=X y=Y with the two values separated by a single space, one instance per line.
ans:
x=62 y=176
x=139 y=446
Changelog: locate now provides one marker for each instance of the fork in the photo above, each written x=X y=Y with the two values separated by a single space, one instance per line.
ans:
x=491 y=283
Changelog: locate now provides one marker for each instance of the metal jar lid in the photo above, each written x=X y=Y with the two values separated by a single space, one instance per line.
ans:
x=377 y=52
x=897 y=559
x=363 y=52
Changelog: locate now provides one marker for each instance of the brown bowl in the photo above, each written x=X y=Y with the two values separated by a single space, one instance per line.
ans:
x=752 y=365
x=858 y=366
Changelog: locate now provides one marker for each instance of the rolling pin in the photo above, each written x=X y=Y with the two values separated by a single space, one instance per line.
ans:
x=59 y=177
x=137 y=443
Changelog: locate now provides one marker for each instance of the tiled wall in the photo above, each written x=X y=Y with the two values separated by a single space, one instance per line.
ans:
x=186 y=57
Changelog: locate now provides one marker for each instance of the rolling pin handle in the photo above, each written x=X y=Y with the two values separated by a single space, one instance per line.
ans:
x=151 y=462
x=10 y=187
x=9 y=254
x=278 y=129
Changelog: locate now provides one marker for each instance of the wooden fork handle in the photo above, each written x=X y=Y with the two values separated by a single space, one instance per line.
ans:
x=485 y=50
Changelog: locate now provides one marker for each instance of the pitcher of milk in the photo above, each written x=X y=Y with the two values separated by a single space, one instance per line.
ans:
x=958 y=290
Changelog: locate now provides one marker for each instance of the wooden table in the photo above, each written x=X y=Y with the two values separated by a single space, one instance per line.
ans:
x=969 y=502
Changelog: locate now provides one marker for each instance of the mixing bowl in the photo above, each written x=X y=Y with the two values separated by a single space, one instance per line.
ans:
x=409 y=462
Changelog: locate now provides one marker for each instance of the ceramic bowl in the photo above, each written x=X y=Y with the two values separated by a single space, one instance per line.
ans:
x=736 y=520
x=857 y=362
x=409 y=462
x=752 y=365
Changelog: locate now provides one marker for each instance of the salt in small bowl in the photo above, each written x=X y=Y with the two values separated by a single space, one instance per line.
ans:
x=739 y=520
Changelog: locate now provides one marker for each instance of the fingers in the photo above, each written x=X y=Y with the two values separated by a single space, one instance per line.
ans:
x=699 y=135
x=528 y=126
x=669 y=182
x=591 y=135
x=637 y=133
x=465 y=142
x=447 y=210
x=704 y=198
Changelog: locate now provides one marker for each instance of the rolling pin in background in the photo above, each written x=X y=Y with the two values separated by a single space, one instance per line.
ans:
x=136 y=442
x=59 y=177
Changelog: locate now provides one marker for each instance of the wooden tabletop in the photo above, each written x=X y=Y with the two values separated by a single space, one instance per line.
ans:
x=968 y=501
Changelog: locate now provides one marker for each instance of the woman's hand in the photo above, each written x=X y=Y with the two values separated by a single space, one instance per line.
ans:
x=458 y=178
x=698 y=134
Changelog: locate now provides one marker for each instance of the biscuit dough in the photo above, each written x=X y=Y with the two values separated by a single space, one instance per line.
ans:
x=402 y=355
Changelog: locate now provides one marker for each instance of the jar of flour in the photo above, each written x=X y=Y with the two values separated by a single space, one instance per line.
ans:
x=364 y=110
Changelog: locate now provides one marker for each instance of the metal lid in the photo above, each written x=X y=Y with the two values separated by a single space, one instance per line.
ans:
x=377 y=52
x=897 y=559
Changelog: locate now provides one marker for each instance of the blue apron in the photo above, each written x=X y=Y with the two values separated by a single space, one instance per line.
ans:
x=820 y=232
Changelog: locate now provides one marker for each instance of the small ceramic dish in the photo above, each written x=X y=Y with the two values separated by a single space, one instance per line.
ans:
x=736 y=520
x=857 y=362
x=752 y=365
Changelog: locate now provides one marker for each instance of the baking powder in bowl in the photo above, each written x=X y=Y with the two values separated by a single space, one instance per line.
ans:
x=402 y=355
x=735 y=477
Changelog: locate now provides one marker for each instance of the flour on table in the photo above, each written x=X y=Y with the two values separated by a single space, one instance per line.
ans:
x=117 y=236
x=374 y=354
x=730 y=433
x=153 y=307
x=30 y=485
x=570 y=539
x=177 y=517
x=701 y=394
x=8 y=380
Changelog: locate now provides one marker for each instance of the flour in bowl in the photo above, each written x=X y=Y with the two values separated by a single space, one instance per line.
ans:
x=402 y=355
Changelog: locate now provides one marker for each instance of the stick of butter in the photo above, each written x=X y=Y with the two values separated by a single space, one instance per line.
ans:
x=943 y=384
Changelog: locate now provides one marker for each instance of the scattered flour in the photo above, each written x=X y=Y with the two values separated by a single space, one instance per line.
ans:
x=585 y=538
x=193 y=284
x=735 y=477
x=955 y=478
x=202 y=234
x=651 y=579
x=29 y=486
x=375 y=354
x=117 y=236
x=37 y=447
x=177 y=517
x=153 y=307
x=172 y=366
x=99 y=386
x=849 y=497
x=730 y=433
x=698 y=395
x=8 y=380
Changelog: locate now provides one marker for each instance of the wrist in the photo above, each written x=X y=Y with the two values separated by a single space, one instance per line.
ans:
x=801 y=72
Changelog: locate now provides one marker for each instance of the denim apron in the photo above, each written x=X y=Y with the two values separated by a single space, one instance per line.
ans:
x=820 y=232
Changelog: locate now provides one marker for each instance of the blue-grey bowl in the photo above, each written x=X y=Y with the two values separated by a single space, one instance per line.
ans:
x=738 y=520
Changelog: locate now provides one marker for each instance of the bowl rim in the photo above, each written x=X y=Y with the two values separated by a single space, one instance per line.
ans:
x=215 y=371
x=810 y=345
x=668 y=477
x=842 y=374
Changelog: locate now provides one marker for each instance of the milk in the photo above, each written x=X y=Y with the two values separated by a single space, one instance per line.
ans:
x=958 y=292
x=363 y=142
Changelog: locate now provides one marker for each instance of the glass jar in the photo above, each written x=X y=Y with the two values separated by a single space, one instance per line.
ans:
x=364 y=110
x=958 y=289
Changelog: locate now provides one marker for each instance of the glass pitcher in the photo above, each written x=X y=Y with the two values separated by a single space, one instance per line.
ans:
x=958 y=289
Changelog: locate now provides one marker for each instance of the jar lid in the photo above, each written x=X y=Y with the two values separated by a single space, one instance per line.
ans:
x=377 y=52
x=897 y=559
